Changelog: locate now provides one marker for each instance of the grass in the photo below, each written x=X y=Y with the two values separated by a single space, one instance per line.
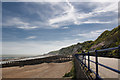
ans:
x=71 y=74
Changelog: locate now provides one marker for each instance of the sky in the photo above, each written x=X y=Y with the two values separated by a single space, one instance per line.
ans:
x=36 y=28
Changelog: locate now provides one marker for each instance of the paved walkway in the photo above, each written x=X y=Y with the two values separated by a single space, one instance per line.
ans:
x=111 y=62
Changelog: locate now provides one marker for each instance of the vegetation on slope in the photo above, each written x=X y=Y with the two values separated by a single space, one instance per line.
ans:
x=75 y=48
x=54 y=52
x=107 y=39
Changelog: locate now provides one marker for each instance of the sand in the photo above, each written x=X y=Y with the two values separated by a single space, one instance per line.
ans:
x=44 y=70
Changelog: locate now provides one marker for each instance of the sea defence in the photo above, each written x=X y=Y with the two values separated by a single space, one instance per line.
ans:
x=37 y=60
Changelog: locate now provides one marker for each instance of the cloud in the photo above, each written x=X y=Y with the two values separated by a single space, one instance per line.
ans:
x=71 y=16
x=14 y=21
x=65 y=27
x=59 y=0
x=67 y=15
x=91 y=35
x=62 y=14
x=33 y=1
x=31 y=37
x=93 y=22
x=17 y=22
x=107 y=7
x=28 y=27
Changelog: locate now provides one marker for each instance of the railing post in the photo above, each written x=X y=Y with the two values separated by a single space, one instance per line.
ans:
x=82 y=58
x=88 y=60
x=119 y=57
x=85 y=58
x=119 y=50
x=96 y=64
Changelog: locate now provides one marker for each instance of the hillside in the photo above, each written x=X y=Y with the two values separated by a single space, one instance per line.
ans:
x=75 y=48
x=106 y=40
x=54 y=52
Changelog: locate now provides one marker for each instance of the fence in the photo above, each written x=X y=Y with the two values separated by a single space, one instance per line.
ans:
x=83 y=70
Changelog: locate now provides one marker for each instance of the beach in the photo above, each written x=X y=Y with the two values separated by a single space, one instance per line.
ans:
x=44 y=70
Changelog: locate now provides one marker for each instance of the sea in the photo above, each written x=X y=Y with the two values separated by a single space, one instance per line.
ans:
x=2 y=58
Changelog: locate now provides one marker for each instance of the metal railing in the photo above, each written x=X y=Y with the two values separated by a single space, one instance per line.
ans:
x=82 y=59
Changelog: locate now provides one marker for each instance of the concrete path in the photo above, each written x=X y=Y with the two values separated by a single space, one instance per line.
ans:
x=111 y=62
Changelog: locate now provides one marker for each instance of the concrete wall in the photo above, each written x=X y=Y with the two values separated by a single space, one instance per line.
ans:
x=80 y=70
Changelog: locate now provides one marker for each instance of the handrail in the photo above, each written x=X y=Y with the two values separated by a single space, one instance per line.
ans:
x=86 y=66
x=108 y=49
x=96 y=62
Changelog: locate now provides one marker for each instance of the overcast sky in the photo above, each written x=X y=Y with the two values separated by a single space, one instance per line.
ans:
x=35 y=28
